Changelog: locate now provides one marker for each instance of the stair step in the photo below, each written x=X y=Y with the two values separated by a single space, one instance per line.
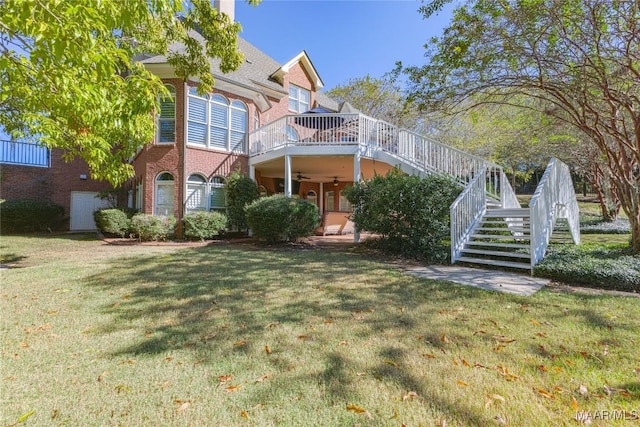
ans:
x=496 y=253
x=500 y=236
x=499 y=245
x=498 y=263
x=508 y=213
x=505 y=228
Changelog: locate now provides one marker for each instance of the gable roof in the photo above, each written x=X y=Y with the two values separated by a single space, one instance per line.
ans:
x=303 y=59
x=258 y=77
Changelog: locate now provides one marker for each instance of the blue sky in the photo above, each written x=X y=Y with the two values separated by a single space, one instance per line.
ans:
x=345 y=39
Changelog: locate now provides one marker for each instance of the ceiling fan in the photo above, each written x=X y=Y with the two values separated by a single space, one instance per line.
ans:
x=301 y=177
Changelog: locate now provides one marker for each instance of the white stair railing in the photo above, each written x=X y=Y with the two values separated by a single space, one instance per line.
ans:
x=554 y=198
x=465 y=213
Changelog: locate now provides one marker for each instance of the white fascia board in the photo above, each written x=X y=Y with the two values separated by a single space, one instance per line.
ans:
x=303 y=59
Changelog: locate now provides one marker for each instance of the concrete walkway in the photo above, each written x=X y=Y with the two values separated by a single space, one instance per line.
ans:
x=491 y=280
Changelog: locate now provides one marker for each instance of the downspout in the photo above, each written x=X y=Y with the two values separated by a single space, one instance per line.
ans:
x=184 y=151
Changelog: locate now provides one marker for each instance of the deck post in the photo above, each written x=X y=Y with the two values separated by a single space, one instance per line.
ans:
x=356 y=178
x=287 y=175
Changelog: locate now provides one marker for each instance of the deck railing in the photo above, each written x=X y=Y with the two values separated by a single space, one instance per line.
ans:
x=465 y=212
x=24 y=153
x=554 y=198
x=371 y=134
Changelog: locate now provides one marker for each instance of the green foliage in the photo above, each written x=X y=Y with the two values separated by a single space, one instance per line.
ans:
x=148 y=227
x=480 y=58
x=240 y=191
x=68 y=74
x=411 y=214
x=204 y=225
x=595 y=266
x=278 y=218
x=28 y=215
x=112 y=222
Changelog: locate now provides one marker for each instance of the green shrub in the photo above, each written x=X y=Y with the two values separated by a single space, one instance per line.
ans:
x=411 y=214
x=203 y=225
x=240 y=190
x=27 y=215
x=599 y=266
x=112 y=222
x=149 y=227
x=279 y=218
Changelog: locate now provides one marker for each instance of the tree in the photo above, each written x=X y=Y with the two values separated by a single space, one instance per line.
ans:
x=240 y=191
x=68 y=73
x=580 y=58
x=381 y=98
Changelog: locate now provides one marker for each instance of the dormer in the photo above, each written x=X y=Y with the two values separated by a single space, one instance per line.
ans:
x=303 y=59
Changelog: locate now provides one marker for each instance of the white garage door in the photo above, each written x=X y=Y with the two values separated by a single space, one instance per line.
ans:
x=83 y=205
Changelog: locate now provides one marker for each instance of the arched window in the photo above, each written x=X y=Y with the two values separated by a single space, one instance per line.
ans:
x=218 y=201
x=217 y=122
x=197 y=118
x=164 y=195
x=292 y=134
x=167 y=117
x=239 y=122
x=196 y=194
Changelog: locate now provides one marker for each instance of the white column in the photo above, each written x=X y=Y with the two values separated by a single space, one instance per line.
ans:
x=287 y=175
x=356 y=178
x=252 y=172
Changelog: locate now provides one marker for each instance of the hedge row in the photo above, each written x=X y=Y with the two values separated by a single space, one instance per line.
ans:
x=197 y=225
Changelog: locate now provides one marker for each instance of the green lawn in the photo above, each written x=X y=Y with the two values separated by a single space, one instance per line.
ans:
x=230 y=334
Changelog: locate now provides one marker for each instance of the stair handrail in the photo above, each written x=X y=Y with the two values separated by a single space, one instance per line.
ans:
x=554 y=198
x=466 y=212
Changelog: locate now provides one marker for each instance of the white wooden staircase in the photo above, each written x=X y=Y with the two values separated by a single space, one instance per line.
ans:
x=488 y=225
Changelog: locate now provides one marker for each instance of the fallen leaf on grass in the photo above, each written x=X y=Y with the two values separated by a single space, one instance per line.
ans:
x=232 y=388
x=544 y=393
x=304 y=337
x=264 y=377
x=127 y=362
x=239 y=343
x=503 y=339
x=500 y=419
x=102 y=375
x=225 y=378
x=541 y=334
x=637 y=371
x=444 y=339
x=267 y=349
x=409 y=396
x=121 y=388
x=244 y=415
x=534 y=322
x=542 y=368
x=390 y=362
x=428 y=355
x=462 y=383
x=184 y=404
x=496 y=397
x=342 y=342
x=583 y=390
x=358 y=410
x=574 y=403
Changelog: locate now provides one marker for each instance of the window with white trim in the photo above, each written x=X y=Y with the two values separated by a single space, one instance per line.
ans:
x=196 y=194
x=164 y=195
x=312 y=197
x=299 y=99
x=214 y=122
x=217 y=198
x=167 y=117
x=138 y=204
x=345 y=206
x=329 y=204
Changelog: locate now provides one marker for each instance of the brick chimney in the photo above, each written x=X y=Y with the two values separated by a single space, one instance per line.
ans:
x=226 y=6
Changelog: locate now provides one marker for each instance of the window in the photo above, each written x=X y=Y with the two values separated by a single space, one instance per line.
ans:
x=138 y=205
x=345 y=206
x=256 y=120
x=329 y=204
x=167 y=118
x=312 y=197
x=292 y=135
x=218 y=201
x=299 y=99
x=215 y=123
x=164 y=195
x=196 y=194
